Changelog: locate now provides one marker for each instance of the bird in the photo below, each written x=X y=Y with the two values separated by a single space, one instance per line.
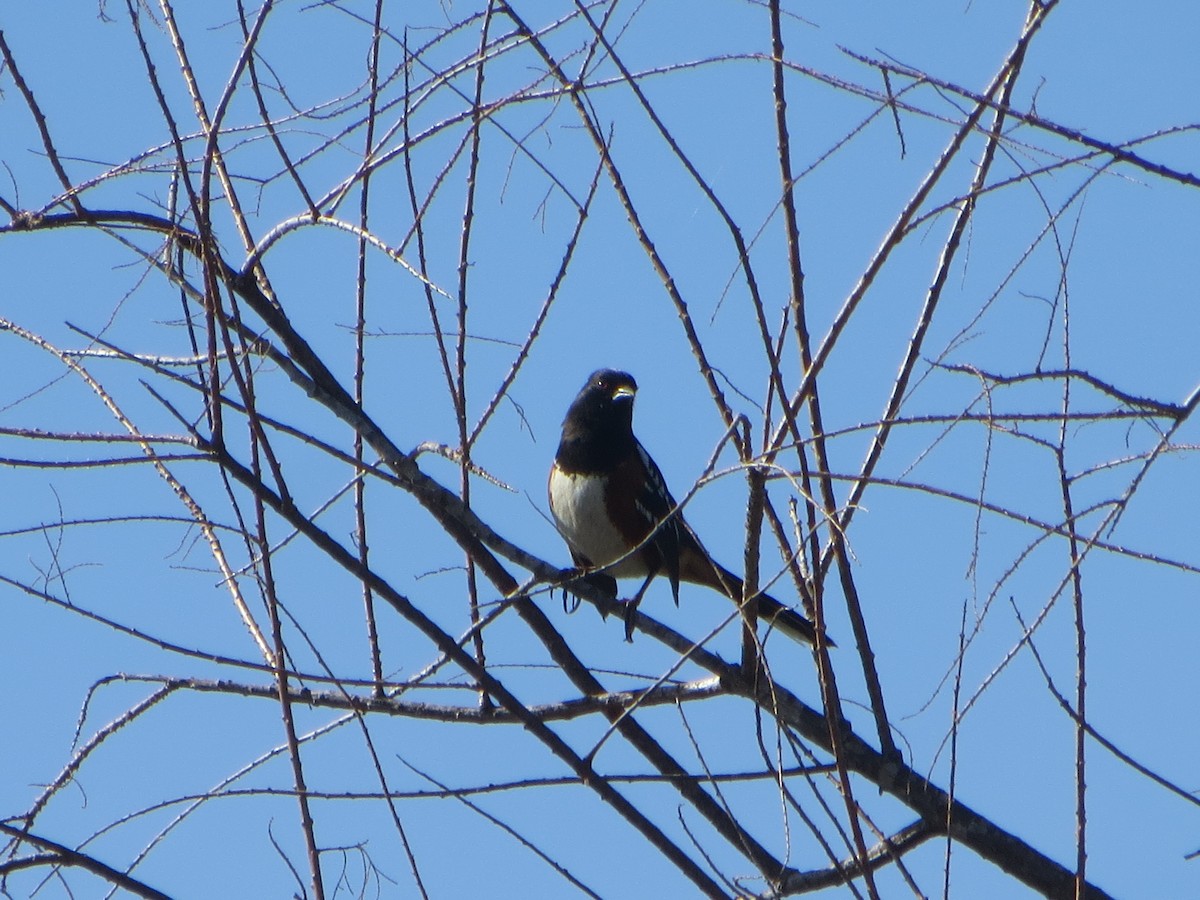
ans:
x=611 y=505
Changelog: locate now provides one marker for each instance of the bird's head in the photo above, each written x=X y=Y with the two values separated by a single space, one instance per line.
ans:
x=604 y=403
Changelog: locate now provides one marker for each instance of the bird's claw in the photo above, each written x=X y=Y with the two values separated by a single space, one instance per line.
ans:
x=597 y=581
x=630 y=614
x=570 y=601
x=600 y=581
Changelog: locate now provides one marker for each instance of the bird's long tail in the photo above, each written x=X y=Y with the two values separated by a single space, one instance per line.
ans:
x=779 y=616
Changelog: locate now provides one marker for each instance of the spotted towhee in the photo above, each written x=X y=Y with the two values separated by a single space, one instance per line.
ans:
x=612 y=507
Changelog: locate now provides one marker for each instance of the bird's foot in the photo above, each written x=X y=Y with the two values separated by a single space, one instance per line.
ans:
x=630 y=609
x=570 y=601
x=596 y=581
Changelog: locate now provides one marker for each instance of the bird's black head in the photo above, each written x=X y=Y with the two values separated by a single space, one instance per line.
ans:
x=599 y=423
x=605 y=400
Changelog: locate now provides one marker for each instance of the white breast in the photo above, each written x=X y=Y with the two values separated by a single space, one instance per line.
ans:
x=577 y=503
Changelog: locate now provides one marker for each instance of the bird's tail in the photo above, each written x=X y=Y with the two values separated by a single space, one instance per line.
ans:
x=787 y=620
x=779 y=616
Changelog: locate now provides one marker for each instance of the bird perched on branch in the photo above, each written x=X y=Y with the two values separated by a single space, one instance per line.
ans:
x=611 y=505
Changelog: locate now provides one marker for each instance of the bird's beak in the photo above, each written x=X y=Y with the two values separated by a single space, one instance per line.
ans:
x=623 y=391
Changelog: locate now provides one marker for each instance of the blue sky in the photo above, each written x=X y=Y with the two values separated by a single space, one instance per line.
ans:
x=1112 y=291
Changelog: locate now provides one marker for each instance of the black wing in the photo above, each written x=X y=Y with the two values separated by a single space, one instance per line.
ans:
x=657 y=505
